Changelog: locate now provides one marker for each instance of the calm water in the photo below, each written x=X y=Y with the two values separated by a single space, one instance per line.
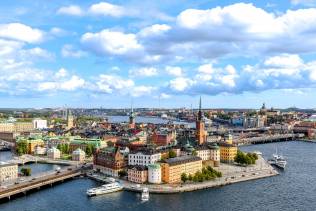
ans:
x=37 y=168
x=294 y=189
x=144 y=119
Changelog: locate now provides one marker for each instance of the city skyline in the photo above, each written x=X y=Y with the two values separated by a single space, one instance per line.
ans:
x=105 y=53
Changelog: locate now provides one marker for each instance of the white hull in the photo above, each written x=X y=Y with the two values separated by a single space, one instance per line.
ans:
x=104 y=189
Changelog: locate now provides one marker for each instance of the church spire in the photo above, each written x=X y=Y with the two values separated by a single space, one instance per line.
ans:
x=200 y=109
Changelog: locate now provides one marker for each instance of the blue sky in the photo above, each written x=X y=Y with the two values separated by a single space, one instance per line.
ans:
x=168 y=53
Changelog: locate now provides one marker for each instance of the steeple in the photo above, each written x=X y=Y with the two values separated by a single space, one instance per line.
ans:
x=200 y=110
x=132 y=117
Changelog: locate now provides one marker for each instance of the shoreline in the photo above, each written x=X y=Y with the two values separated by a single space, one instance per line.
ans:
x=231 y=174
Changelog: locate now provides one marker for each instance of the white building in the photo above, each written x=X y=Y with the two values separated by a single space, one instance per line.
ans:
x=53 y=153
x=215 y=155
x=39 y=123
x=8 y=171
x=78 y=155
x=204 y=153
x=143 y=158
x=40 y=150
x=154 y=173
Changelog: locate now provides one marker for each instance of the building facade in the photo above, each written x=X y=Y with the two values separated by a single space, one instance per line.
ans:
x=143 y=158
x=137 y=174
x=8 y=171
x=53 y=153
x=109 y=161
x=154 y=173
x=78 y=155
x=173 y=168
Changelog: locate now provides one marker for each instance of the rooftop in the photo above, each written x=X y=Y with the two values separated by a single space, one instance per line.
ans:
x=181 y=160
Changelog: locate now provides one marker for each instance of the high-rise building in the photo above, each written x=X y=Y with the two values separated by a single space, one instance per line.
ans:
x=200 y=126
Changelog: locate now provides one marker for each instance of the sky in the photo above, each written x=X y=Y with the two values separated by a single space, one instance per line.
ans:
x=235 y=54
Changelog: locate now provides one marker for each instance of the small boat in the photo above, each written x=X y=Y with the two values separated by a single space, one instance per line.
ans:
x=278 y=160
x=145 y=195
x=104 y=189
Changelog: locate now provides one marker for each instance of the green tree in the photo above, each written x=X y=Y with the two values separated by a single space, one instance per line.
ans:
x=26 y=171
x=89 y=149
x=184 y=177
x=122 y=173
x=172 y=154
x=21 y=147
x=194 y=153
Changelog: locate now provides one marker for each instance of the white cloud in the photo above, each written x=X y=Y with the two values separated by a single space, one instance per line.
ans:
x=61 y=73
x=21 y=32
x=154 y=30
x=138 y=91
x=111 y=83
x=206 y=69
x=107 y=9
x=144 y=72
x=73 y=10
x=174 y=71
x=111 y=42
x=180 y=84
x=68 y=51
x=304 y=2
x=70 y=84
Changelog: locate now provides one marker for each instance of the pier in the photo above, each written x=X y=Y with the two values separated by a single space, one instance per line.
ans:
x=38 y=183
x=270 y=138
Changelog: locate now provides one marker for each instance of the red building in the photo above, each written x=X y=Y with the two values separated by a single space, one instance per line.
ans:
x=200 y=133
x=163 y=138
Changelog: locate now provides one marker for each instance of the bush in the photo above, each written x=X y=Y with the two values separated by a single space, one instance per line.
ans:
x=172 y=154
x=246 y=159
x=26 y=171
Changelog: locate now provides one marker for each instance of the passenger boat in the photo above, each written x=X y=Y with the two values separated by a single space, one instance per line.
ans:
x=104 y=189
x=145 y=195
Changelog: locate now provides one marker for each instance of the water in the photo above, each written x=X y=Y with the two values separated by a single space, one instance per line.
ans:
x=145 y=119
x=37 y=168
x=293 y=189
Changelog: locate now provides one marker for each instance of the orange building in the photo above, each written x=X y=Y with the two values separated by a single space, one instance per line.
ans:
x=173 y=168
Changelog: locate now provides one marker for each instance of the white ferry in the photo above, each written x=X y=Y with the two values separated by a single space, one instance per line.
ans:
x=104 y=189
x=278 y=161
x=145 y=195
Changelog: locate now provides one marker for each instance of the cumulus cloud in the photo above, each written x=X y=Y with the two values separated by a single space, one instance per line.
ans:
x=174 y=71
x=285 y=71
x=107 y=9
x=144 y=72
x=72 y=10
x=68 y=51
x=304 y=2
x=21 y=32
x=235 y=30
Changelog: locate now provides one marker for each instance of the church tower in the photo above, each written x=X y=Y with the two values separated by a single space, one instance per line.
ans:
x=131 y=124
x=200 y=126
x=70 y=120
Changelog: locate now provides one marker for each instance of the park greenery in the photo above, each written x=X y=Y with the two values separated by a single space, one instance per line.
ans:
x=245 y=158
x=172 y=154
x=206 y=174
x=89 y=150
x=26 y=171
x=21 y=147
x=63 y=148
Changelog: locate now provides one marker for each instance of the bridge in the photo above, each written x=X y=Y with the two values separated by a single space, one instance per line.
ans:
x=34 y=159
x=5 y=145
x=37 y=183
x=270 y=138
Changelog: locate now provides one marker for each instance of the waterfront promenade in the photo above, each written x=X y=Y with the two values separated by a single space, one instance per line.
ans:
x=231 y=174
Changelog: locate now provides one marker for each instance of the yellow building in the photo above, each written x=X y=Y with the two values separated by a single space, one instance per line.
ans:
x=16 y=127
x=32 y=143
x=228 y=150
x=23 y=126
x=173 y=168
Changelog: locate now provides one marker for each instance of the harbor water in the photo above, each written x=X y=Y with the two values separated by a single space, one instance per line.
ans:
x=293 y=189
